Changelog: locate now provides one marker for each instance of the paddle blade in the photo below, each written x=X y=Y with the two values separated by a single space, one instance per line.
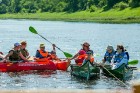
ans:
x=133 y=62
x=32 y=30
x=68 y=55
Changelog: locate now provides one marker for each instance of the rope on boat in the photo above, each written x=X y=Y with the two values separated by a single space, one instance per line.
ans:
x=115 y=77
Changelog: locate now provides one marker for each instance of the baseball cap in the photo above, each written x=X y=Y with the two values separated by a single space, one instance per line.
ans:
x=16 y=44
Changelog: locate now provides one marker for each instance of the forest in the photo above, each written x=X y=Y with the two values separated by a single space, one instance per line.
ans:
x=70 y=6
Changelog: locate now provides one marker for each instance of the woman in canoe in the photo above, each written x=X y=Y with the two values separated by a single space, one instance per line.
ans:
x=23 y=49
x=15 y=54
x=120 y=57
x=109 y=55
x=80 y=56
x=42 y=53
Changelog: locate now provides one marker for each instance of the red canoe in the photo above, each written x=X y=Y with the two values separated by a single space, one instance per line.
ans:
x=42 y=64
x=26 y=66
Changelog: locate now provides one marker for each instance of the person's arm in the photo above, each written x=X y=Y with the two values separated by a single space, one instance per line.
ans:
x=27 y=53
x=9 y=54
x=74 y=56
x=124 y=60
x=37 y=54
x=20 y=54
x=53 y=45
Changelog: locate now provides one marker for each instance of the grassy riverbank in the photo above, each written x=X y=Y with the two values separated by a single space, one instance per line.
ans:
x=112 y=16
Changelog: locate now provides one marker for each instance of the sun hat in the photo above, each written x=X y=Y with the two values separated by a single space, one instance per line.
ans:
x=86 y=44
x=42 y=45
x=110 y=47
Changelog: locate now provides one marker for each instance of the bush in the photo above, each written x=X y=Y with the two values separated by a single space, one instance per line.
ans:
x=121 y=5
x=93 y=8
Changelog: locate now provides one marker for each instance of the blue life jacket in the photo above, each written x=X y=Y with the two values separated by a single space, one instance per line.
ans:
x=108 y=56
x=119 y=57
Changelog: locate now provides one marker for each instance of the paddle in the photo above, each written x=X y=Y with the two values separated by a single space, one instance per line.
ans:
x=133 y=62
x=115 y=77
x=68 y=55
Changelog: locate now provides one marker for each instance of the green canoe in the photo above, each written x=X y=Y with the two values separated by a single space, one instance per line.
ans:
x=123 y=73
x=87 y=70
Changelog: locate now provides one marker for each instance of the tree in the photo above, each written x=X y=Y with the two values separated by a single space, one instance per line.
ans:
x=2 y=9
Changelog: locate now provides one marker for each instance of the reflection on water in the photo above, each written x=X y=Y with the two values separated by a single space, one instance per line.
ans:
x=68 y=36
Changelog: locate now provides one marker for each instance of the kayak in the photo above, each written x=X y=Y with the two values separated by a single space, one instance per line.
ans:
x=123 y=73
x=26 y=66
x=87 y=70
x=39 y=64
x=60 y=64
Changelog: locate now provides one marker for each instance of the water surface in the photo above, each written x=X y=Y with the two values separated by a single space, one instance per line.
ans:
x=68 y=36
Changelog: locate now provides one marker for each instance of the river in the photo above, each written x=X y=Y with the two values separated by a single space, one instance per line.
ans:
x=68 y=36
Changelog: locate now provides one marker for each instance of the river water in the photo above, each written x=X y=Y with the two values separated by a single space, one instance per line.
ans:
x=68 y=36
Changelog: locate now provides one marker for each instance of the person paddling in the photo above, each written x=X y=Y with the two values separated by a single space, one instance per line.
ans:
x=23 y=49
x=15 y=54
x=108 y=55
x=121 y=57
x=80 y=56
x=42 y=53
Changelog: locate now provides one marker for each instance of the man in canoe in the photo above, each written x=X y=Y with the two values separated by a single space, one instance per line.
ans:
x=80 y=56
x=120 y=57
x=23 y=49
x=42 y=53
x=15 y=54
x=108 y=55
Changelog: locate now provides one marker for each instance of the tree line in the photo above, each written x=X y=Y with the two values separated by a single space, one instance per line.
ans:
x=35 y=6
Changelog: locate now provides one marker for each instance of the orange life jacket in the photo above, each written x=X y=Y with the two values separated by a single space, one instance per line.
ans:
x=44 y=54
x=81 y=58
x=91 y=59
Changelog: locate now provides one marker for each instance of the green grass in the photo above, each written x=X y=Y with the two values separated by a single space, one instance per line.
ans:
x=112 y=16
